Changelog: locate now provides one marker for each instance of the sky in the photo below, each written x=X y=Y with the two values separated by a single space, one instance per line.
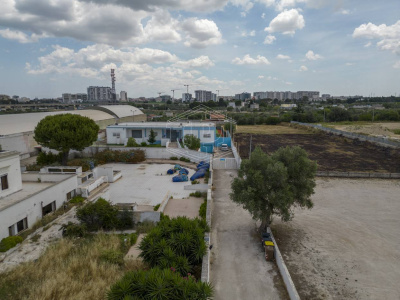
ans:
x=337 y=47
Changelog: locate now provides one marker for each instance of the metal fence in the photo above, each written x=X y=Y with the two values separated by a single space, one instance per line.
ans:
x=379 y=140
x=225 y=163
x=358 y=174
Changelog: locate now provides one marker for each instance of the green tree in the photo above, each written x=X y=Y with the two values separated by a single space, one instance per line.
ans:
x=65 y=132
x=192 y=142
x=270 y=185
x=152 y=137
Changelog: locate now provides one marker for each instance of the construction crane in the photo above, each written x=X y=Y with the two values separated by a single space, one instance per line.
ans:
x=187 y=88
x=173 y=93
x=159 y=94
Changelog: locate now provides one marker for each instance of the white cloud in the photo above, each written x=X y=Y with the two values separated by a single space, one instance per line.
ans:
x=248 y=60
x=246 y=34
x=288 y=83
x=388 y=36
x=345 y=12
x=287 y=22
x=303 y=69
x=269 y=39
x=263 y=16
x=397 y=65
x=281 y=56
x=367 y=45
x=349 y=64
x=310 y=55
x=19 y=36
x=201 y=33
x=198 y=62
x=260 y=77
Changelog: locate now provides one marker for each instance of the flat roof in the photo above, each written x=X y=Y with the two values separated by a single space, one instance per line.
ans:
x=5 y=154
x=18 y=123
x=162 y=124
x=28 y=189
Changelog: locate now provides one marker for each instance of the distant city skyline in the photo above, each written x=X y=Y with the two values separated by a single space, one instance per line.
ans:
x=341 y=47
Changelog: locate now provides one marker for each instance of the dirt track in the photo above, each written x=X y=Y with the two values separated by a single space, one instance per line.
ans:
x=332 y=153
x=348 y=245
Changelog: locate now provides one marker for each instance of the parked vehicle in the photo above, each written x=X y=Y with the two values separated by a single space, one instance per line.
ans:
x=224 y=147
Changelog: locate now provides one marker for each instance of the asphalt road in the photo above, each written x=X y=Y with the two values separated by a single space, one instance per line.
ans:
x=238 y=267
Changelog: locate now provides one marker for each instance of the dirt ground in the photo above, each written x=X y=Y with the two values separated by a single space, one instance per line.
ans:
x=374 y=129
x=332 y=153
x=270 y=129
x=348 y=245
x=188 y=207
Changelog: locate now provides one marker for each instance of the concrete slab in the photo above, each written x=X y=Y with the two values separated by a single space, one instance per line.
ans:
x=146 y=184
x=183 y=207
x=134 y=251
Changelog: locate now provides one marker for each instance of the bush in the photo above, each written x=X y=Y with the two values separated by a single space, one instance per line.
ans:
x=77 y=200
x=113 y=257
x=192 y=142
x=74 y=230
x=132 y=143
x=195 y=182
x=44 y=158
x=10 y=242
x=173 y=158
x=184 y=159
x=396 y=131
x=272 y=121
x=156 y=207
x=198 y=194
x=103 y=215
x=84 y=163
x=132 y=157
x=144 y=227
x=33 y=168
x=175 y=243
x=203 y=210
x=143 y=144
x=159 y=284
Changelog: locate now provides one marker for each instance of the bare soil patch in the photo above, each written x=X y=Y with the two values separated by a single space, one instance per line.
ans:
x=332 y=153
x=188 y=207
x=347 y=246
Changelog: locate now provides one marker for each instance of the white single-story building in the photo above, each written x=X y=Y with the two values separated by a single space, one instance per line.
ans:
x=28 y=196
x=165 y=132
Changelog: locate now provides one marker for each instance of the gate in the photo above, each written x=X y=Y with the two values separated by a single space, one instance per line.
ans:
x=224 y=163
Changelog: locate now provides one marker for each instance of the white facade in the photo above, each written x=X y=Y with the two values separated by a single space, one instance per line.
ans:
x=186 y=97
x=10 y=173
x=123 y=96
x=165 y=131
x=203 y=95
x=99 y=93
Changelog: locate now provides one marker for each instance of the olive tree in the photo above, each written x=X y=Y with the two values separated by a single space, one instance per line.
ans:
x=65 y=132
x=270 y=185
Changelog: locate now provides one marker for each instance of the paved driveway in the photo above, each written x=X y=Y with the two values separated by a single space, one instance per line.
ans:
x=238 y=266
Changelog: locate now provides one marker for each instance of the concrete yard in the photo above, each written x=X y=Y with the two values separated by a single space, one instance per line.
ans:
x=348 y=245
x=183 y=207
x=146 y=184
x=238 y=267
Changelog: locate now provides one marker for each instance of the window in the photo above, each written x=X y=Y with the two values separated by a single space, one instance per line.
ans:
x=207 y=135
x=116 y=134
x=22 y=225
x=48 y=208
x=4 y=182
x=137 y=134
x=71 y=195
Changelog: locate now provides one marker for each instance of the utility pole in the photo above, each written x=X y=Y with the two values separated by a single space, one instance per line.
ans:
x=251 y=138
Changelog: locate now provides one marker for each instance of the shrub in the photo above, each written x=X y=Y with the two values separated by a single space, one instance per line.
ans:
x=103 y=215
x=203 y=210
x=177 y=243
x=132 y=156
x=272 y=121
x=156 y=207
x=10 y=242
x=159 y=284
x=396 y=131
x=77 y=200
x=195 y=182
x=198 y=194
x=144 y=227
x=132 y=143
x=33 y=168
x=84 y=163
x=74 y=230
x=173 y=158
x=44 y=158
x=192 y=142
x=143 y=144
x=184 y=159
x=113 y=257
x=35 y=238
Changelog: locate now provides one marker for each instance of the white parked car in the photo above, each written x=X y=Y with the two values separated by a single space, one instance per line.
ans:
x=224 y=147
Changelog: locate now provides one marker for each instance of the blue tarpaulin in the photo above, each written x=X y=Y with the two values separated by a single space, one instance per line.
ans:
x=184 y=171
x=179 y=178
x=171 y=171
x=199 y=174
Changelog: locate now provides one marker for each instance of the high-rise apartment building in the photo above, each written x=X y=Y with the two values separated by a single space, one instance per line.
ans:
x=186 y=97
x=203 y=96
x=100 y=93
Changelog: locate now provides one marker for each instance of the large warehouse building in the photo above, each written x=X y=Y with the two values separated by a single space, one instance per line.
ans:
x=16 y=130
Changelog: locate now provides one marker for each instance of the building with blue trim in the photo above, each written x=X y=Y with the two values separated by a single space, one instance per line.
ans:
x=165 y=132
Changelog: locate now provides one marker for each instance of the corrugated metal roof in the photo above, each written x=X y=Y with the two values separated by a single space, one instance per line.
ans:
x=17 y=123
x=122 y=111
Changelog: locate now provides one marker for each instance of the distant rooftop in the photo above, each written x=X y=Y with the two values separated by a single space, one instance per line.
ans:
x=162 y=124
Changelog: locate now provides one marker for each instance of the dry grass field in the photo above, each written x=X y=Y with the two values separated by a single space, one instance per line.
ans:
x=70 y=269
x=271 y=129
